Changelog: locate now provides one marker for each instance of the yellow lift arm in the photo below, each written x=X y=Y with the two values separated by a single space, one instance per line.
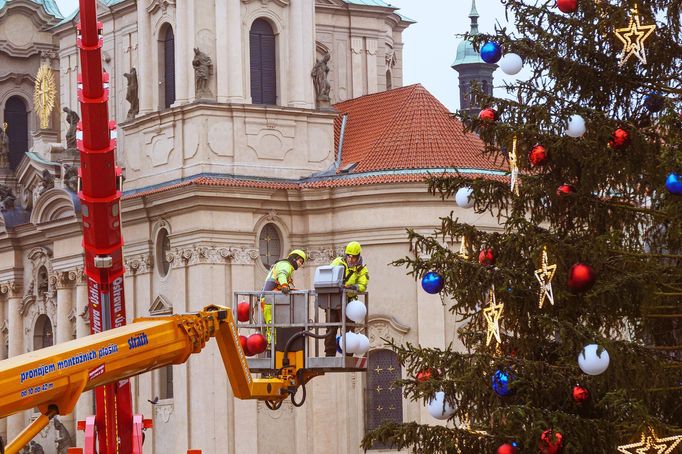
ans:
x=53 y=378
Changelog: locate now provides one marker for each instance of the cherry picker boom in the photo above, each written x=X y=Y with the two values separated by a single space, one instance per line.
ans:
x=53 y=378
x=100 y=194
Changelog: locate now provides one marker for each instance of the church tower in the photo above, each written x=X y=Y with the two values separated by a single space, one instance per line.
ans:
x=472 y=68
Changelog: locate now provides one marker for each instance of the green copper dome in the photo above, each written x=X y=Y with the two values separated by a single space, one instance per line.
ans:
x=465 y=50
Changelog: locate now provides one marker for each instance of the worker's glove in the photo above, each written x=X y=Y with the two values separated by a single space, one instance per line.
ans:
x=285 y=289
x=352 y=287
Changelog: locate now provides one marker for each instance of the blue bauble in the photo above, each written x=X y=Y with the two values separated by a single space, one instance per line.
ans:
x=491 y=52
x=501 y=381
x=338 y=344
x=654 y=102
x=432 y=282
x=674 y=183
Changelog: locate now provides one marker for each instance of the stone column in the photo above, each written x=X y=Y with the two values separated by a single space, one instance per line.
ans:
x=3 y=317
x=235 y=72
x=356 y=65
x=222 y=57
x=64 y=282
x=145 y=84
x=184 y=40
x=298 y=74
x=15 y=331
x=84 y=407
x=372 y=77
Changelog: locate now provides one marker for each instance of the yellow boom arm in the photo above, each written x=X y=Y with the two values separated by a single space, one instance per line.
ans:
x=53 y=378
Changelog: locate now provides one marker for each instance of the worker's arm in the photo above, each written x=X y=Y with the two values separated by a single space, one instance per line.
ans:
x=362 y=278
x=282 y=273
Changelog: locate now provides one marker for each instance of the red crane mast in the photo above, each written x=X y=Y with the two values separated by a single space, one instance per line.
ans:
x=100 y=194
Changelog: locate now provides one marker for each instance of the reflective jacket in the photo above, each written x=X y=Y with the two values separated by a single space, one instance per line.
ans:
x=354 y=275
x=279 y=274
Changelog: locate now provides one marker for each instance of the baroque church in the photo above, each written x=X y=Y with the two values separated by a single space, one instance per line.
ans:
x=245 y=128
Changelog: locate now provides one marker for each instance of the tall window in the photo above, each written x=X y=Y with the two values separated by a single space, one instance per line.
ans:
x=383 y=398
x=269 y=245
x=166 y=382
x=42 y=334
x=263 y=63
x=162 y=248
x=167 y=66
x=16 y=117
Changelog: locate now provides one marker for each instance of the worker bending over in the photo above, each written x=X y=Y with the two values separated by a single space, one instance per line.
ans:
x=355 y=278
x=280 y=279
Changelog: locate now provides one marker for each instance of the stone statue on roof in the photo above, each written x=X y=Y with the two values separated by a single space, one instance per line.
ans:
x=7 y=198
x=132 y=94
x=70 y=178
x=72 y=119
x=203 y=68
x=319 y=74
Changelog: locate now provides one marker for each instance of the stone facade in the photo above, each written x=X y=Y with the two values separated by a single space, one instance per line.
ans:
x=190 y=245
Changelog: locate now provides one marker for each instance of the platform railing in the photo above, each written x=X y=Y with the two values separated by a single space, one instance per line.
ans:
x=301 y=310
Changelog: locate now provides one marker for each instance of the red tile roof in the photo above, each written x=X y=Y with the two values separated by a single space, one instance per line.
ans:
x=406 y=128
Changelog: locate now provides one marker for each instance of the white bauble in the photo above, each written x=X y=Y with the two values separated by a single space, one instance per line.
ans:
x=356 y=311
x=511 y=64
x=591 y=363
x=363 y=344
x=463 y=197
x=576 y=126
x=352 y=342
x=439 y=408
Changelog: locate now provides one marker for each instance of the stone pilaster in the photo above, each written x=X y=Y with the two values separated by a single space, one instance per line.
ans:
x=145 y=85
x=235 y=78
x=15 y=331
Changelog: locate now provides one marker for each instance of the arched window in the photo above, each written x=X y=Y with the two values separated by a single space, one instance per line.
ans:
x=383 y=398
x=269 y=245
x=162 y=248
x=42 y=333
x=263 y=63
x=167 y=66
x=389 y=80
x=16 y=117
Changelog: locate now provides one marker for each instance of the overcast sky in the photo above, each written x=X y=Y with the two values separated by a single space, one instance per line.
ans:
x=430 y=44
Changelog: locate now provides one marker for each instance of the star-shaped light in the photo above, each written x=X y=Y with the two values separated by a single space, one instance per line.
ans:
x=514 y=168
x=544 y=276
x=633 y=37
x=492 y=315
x=651 y=444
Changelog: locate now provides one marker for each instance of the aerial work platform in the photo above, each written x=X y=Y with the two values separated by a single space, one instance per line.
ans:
x=307 y=311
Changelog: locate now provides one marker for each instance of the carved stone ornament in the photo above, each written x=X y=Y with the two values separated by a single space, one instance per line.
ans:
x=163 y=411
x=385 y=327
x=244 y=256
x=10 y=288
x=320 y=257
x=265 y=2
x=61 y=280
x=199 y=254
x=78 y=276
x=138 y=264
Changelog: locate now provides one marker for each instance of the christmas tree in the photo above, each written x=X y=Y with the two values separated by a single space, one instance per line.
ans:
x=573 y=338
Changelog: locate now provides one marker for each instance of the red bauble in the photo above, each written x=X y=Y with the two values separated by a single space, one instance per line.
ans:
x=487 y=115
x=620 y=138
x=551 y=442
x=580 y=394
x=537 y=155
x=565 y=189
x=486 y=257
x=581 y=277
x=567 y=6
x=507 y=449
x=424 y=375
x=256 y=343
x=243 y=310
x=245 y=346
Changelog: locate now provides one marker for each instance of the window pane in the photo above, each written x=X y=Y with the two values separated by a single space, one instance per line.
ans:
x=269 y=245
x=384 y=402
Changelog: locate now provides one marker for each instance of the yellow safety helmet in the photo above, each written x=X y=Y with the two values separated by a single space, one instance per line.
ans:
x=298 y=252
x=353 y=248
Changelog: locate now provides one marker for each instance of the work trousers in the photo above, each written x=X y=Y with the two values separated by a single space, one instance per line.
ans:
x=330 y=337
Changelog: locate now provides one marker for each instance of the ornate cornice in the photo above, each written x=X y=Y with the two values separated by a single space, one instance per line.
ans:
x=265 y=2
x=243 y=255
x=198 y=255
x=320 y=257
x=138 y=264
x=78 y=276
x=62 y=279
x=11 y=288
x=26 y=302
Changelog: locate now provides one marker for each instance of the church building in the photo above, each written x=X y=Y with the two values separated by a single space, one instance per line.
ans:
x=245 y=129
